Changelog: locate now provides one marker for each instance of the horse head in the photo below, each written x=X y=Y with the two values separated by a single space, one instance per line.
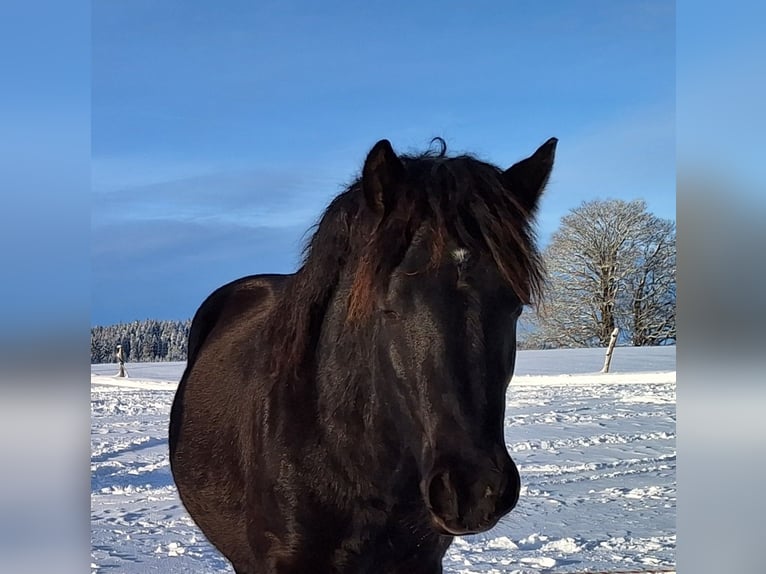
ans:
x=449 y=267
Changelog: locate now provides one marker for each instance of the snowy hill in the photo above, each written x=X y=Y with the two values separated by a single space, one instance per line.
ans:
x=596 y=453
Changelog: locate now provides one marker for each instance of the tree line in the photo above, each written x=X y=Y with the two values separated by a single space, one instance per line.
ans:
x=148 y=340
x=611 y=264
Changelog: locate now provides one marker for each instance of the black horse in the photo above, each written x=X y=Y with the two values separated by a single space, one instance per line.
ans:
x=349 y=417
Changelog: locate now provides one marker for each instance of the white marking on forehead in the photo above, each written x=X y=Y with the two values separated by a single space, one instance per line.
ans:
x=461 y=254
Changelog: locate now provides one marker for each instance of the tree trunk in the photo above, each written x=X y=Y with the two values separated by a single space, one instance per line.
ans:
x=609 y=349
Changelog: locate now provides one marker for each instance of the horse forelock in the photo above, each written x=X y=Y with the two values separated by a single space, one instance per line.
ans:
x=459 y=199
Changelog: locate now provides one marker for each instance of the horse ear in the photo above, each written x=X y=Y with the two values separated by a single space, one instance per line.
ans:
x=527 y=178
x=382 y=174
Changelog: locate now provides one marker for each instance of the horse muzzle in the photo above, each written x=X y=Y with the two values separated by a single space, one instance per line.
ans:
x=467 y=499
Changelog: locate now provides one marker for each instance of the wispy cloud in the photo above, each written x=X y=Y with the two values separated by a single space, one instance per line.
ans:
x=173 y=265
x=252 y=198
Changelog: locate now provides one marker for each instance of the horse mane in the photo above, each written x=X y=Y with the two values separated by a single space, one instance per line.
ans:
x=454 y=197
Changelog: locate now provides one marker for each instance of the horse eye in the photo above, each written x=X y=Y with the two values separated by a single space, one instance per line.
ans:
x=390 y=313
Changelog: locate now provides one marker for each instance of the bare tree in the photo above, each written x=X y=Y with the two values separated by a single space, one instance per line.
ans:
x=610 y=264
x=652 y=288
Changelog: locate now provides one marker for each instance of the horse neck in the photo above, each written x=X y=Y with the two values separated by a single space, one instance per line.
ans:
x=347 y=388
x=354 y=413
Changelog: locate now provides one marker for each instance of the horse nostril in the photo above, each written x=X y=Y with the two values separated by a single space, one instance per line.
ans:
x=467 y=499
x=442 y=496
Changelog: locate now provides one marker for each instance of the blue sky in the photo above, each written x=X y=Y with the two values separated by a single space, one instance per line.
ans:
x=221 y=130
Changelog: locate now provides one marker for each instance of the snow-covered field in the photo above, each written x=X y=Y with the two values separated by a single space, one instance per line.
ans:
x=597 y=456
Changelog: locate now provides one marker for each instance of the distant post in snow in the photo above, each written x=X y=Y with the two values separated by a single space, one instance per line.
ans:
x=609 y=349
x=121 y=361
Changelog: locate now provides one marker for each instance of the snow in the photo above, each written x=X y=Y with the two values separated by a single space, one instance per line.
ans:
x=596 y=453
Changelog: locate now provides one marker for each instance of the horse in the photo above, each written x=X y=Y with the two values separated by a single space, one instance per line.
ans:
x=349 y=417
